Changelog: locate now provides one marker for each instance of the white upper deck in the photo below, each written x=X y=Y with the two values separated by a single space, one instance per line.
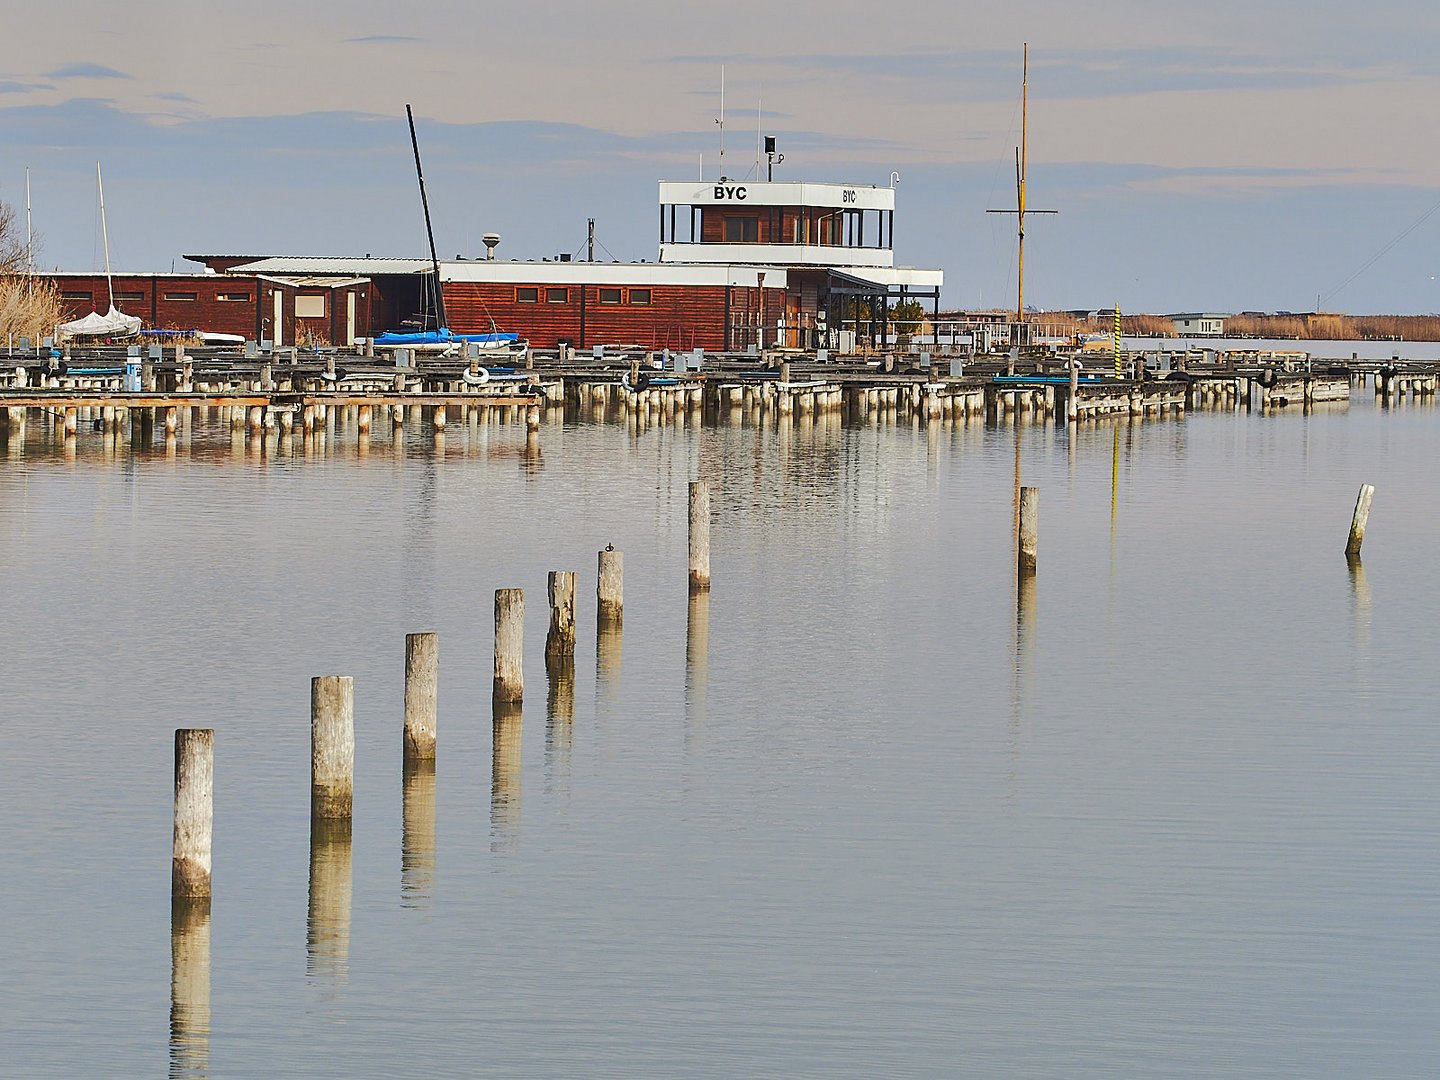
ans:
x=738 y=193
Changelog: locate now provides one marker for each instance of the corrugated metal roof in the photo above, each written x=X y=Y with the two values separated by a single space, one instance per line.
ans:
x=312 y=280
x=350 y=267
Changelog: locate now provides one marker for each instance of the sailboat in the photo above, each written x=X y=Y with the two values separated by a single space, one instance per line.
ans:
x=114 y=323
x=442 y=338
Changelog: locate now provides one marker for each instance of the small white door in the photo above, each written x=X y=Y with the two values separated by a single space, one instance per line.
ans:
x=350 y=320
x=278 y=326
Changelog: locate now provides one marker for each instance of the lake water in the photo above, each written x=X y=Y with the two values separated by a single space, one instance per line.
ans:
x=1172 y=811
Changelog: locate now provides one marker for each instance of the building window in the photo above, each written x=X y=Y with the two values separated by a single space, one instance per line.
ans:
x=527 y=294
x=742 y=230
x=310 y=306
x=180 y=296
x=234 y=297
x=129 y=297
x=639 y=296
x=610 y=296
x=77 y=297
x=557 y=296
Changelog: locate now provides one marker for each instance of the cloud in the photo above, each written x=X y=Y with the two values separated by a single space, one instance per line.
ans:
x=384 y=39
x=23 y=88
x=86 y=71
x=171 y=95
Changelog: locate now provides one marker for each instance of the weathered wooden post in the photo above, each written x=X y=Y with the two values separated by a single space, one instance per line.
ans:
x=422 y=670
x=194 y=812
x=532 y=418
x=332 y=746
x=699 y=536
x=1358 y=520
x=560 y=640
x=1072 y=400
x=439 y=418
x=509 y=644
x=1029 y=527
x=610 y=586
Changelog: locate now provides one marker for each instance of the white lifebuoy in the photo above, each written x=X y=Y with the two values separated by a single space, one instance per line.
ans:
x=477 y=380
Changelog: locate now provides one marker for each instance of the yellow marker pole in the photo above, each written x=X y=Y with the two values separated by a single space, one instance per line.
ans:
x=1117 y=341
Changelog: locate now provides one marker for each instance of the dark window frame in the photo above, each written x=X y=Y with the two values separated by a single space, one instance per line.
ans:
x=636 y=294
x=557 y=295
x=532 y=298
x=611 y=296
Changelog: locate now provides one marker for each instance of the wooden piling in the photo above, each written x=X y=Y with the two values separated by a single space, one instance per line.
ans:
x=332 y=746
x=422 y=670
x=560 y=640
x=1358 y=520
x=610 y=586
x=509 y=644
x=1029 y=527
x=699 y=536
x=194 y=812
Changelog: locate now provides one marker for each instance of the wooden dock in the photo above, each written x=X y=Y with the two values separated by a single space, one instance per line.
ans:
x=290 y=389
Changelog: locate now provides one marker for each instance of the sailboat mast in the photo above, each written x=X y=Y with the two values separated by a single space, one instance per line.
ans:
x=29 y=236
x=429 y=232
x=105 y=235
x=1020 y=169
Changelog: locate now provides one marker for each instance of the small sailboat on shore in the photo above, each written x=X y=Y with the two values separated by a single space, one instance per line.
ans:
x=442 y=339
x=114 y=323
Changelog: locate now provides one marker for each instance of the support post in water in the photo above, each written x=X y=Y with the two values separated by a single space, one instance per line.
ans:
x=699 y=536
x=422 y=670
x=509 y=643
x=1357 y=522
x=1029 y=527
x=332 y=746
x=610 y=586
x=560 y=641
x=194 y=812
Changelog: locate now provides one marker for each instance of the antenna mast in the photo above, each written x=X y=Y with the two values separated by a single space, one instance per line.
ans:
x=721 y=121
x=29 y=243
x=429 y=232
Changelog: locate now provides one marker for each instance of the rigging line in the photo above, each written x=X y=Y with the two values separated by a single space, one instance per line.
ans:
x=1381 y=253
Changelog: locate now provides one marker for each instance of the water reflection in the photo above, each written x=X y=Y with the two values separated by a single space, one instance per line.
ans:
x=559 y=721
x=417 y=834
x=697 y=652
x=1360 y=616
x=327 y=936
x=505 y=777
x=190 y=987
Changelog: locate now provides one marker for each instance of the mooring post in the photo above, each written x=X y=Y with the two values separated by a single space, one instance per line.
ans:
x=560 y=641
x=194 y=812
x=422 y=670
x=1029 y=527
x=1072 y=401
x=332 y=746
x=1357 y=522
x=610 y=586
x=699 y=536
x=509 y=644
x=532 y=418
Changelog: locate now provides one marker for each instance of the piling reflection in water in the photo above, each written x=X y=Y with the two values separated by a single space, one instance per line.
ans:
x=417 y=834
x=190 y=986
x=505 y=776
x=327 y=937
x=697 y=657
x=559 y=720
x=1360 y=616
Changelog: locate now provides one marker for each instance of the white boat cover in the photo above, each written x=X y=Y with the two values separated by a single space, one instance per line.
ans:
x=113 y=324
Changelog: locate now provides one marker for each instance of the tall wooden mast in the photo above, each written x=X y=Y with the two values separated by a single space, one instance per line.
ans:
x=1021 y=173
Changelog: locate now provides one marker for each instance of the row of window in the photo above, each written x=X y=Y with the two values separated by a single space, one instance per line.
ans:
x=173 y=297
x=530 y=294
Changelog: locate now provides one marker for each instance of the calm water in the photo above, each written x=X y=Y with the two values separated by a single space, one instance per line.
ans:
x=1172 y=813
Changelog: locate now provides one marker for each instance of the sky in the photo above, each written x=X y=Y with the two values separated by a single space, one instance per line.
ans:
x=1268 y=155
